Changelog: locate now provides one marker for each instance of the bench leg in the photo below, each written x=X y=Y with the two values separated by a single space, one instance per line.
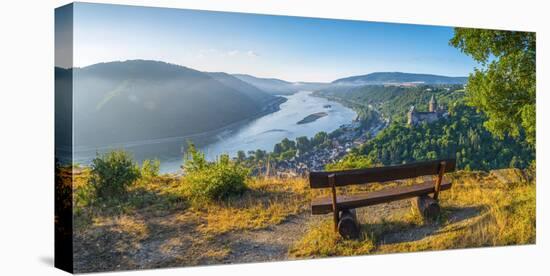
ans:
x=348 y=226
x=335 y=219
x=427 y=206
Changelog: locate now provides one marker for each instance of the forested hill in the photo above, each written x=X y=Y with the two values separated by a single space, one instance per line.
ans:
x=394 y=101
x=462 y=135
x=379 y=78
x=136 y=100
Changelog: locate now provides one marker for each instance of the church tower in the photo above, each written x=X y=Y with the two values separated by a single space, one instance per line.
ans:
x=433 y=105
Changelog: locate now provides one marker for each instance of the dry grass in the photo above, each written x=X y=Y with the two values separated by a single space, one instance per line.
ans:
x=507 y=216
x=322 y=241
x=157 y=226
x=267 y=202
x=480 y=210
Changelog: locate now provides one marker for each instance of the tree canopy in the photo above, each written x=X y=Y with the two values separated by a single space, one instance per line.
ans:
x=504 y=87
x=461 y=136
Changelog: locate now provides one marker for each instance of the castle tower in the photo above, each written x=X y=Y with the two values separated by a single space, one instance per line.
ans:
x=433 y=105
x=410 y=116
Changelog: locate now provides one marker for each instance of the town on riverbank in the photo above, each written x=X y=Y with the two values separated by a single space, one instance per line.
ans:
x=297 y=158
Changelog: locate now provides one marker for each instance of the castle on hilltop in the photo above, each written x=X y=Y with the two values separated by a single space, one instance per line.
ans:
x=434 y=113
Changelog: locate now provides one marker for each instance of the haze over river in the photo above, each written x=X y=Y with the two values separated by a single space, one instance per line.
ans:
x=260 y=133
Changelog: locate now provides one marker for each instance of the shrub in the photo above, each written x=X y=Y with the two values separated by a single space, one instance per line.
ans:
x=150 y=169
x=350 y=161
x=112 y=173
x=216 y=180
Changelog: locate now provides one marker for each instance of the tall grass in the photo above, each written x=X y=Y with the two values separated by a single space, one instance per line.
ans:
x=502 y=214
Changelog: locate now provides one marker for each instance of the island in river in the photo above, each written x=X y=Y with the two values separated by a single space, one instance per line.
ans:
x=312 y=117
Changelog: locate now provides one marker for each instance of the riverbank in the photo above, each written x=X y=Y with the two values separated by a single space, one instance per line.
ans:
x=278 y=121
x=172 y=148
x=264 y=133
x=341 y=141
x=272 y=107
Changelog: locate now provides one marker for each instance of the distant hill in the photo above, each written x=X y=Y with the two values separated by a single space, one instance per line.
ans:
x=380 y=78
x=281 y=87
x=269 y=85
x=312 y=86
x=142 y=99
x=247 y=89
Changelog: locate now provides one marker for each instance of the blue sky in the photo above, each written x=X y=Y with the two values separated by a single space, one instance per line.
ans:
x=290 y=48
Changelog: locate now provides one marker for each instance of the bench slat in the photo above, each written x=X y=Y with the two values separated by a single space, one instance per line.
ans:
x=380 y=174
x=323 y=205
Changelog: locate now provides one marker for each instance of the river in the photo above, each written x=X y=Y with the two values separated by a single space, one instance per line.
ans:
x=260 y=133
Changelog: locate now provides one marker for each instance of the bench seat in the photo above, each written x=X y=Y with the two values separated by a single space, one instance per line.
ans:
x=323 y=205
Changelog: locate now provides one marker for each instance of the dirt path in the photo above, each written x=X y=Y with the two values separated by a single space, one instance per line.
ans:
x=144 y=241
x=270 y=244
x=173 y=241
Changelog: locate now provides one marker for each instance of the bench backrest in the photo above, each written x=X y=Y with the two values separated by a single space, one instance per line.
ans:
x=380 y=174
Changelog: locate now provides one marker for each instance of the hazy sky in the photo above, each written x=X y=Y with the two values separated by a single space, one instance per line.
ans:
x=290 y=48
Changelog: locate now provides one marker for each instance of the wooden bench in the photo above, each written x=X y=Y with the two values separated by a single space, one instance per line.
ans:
x=343 y=206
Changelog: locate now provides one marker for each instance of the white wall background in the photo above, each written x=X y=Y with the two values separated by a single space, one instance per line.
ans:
x=26 y=135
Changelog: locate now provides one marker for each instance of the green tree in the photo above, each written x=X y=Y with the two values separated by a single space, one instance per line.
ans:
x=260 y=155
x=303 y=144
x=461 y=135
x=287 y=155
x=288 y=144
x=241 y=156
x=278 y=148
x=150 y=169
x=504 y=87
x=194 y=159
x=320 y=139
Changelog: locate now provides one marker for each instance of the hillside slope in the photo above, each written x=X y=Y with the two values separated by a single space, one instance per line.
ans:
x=140 y=100
x=253 y=92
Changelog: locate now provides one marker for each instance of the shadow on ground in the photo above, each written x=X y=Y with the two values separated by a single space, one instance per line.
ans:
x=397 y=232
